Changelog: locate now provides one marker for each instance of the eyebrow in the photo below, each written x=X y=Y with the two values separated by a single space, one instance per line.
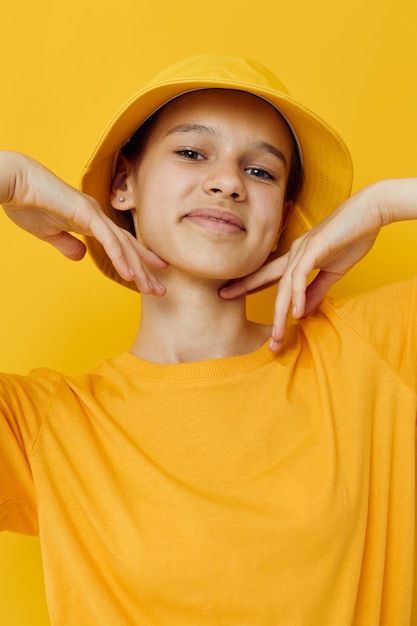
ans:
x=201 y=129
x=264 y=146
x=192 y=128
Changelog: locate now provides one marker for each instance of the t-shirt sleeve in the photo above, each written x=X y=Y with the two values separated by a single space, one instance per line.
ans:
x=386 y=318
x=23 y=402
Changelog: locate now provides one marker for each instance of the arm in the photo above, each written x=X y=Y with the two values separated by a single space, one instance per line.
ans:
x=332 y=248
x=39 y=202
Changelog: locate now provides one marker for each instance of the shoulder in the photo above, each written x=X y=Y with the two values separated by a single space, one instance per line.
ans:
x=381 y=322
x=376 y=311
x=43 y=385
x=36 y=387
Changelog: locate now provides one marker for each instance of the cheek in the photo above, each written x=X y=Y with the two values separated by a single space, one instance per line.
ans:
x=162 y=195
x=149 y=200
x=146 y=224
x=161 y=187
x=154 y=219
x=271 y=221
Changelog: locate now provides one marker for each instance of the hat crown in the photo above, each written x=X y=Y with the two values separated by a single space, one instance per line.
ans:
x=225 y=68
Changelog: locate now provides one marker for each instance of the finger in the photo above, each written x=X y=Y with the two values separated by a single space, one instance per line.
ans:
x=68 y=245
x=317 y=289
x=298 y=277
x=302 y=262
x=136 y=257
x=147 y=282
x=290 y=293
x=119 y=246
x=281 y=309
x=268 y=274
x=151 y=258
x=293 y=293
x=126 y=253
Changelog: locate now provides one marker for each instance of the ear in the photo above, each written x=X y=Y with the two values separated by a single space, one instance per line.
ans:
x=123 y=185
x=286 y=214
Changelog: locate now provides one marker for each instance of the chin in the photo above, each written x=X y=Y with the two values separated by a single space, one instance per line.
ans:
x=212 y=265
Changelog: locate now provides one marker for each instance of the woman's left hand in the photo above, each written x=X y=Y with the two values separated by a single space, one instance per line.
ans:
x=332 y=247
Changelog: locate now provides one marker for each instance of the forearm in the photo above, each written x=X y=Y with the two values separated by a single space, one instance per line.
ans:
x=26 y=183
x=394 y=199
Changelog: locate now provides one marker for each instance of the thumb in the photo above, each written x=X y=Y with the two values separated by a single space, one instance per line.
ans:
x=317 y=289
x=68 y=245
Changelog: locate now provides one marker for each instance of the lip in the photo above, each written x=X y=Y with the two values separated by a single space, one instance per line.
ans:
x=217 y=217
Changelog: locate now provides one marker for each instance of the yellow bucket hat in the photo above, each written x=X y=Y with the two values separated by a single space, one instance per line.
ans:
x=327 y=165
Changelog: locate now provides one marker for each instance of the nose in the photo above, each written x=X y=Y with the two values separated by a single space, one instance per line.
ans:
x=225 y=179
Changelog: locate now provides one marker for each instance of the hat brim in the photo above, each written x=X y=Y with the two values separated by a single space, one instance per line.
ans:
x=327 y=165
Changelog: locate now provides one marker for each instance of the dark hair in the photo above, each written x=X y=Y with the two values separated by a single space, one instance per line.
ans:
x=135 y=146
x=296 y=173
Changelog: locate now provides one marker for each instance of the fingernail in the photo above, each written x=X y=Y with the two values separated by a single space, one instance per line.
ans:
x=274 y=346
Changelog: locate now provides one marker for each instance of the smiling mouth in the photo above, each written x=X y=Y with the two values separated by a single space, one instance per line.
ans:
x=220 y=220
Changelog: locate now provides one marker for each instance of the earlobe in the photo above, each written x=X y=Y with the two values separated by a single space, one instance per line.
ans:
x=122 y=186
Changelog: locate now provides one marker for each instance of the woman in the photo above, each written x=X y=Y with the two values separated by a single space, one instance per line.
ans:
x=213 y=474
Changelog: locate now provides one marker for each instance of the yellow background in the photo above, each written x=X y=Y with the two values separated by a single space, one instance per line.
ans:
x=65 y=68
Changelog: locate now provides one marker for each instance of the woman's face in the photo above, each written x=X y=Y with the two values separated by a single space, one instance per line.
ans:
x=208 y=191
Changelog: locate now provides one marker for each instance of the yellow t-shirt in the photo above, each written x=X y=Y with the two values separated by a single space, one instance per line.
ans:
x=257 y=490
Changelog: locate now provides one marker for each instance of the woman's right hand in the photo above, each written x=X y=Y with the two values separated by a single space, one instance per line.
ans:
x=47 y=207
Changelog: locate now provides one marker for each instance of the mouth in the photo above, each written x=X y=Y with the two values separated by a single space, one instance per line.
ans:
x=217 y=219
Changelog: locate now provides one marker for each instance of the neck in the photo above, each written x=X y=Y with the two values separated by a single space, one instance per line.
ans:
x=192 y=323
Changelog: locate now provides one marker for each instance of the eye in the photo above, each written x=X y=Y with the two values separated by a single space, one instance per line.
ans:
x=259 y=173
x=188 y=153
